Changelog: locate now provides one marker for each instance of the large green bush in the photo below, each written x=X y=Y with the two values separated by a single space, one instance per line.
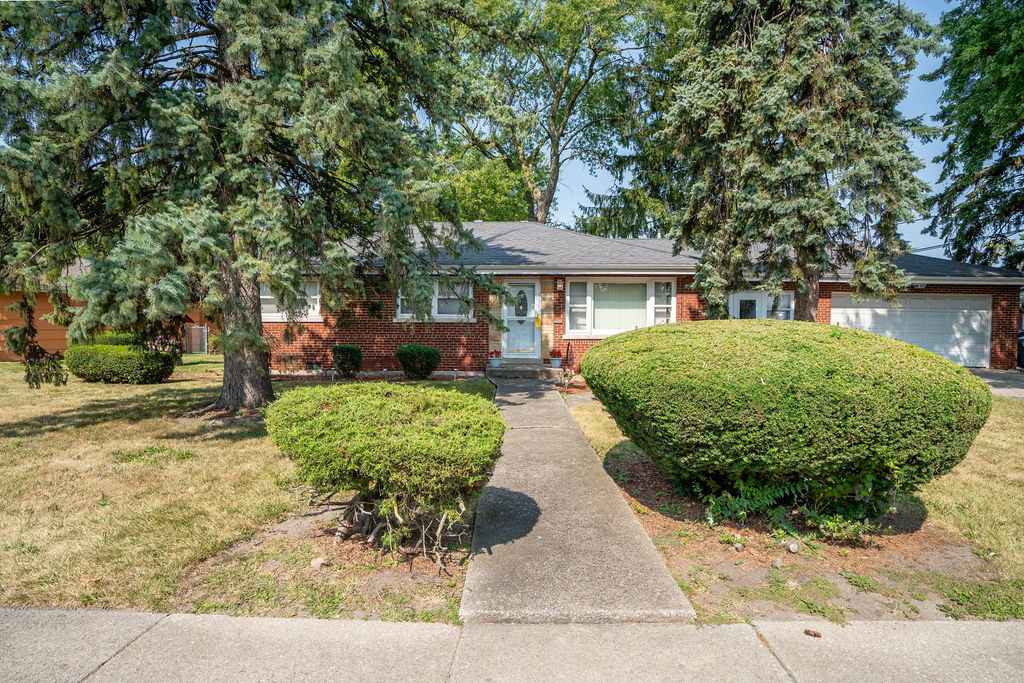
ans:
x=118 y=364
x=418 y=361
x=415 y=454
x=348 y=359
x=763 y=411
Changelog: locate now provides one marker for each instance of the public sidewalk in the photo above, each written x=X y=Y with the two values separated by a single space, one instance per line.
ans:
x=555 y=541
x=96 y=645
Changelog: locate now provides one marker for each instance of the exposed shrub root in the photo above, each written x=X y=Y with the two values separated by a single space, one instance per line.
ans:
x=414 y=533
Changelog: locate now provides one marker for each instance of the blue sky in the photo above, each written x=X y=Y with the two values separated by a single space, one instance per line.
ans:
x=922 y=98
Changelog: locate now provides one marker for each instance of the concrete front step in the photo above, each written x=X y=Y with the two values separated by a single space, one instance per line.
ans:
x=524 y=371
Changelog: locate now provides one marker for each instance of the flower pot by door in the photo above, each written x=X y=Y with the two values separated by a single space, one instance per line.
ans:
x=556 y=362
x=495 y=362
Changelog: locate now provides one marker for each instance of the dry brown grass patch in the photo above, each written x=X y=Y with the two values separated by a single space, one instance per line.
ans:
x=106 y=499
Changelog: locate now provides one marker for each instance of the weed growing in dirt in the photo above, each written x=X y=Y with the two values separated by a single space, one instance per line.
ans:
x=808 y=597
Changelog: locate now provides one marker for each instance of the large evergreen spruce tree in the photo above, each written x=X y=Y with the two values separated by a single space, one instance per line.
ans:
x=192 y=151
x=793 y=152
x=980 y=211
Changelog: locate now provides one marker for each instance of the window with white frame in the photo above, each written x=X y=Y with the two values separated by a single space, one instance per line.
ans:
x=605 y=307
x=447 y=303
x=271 y=312
x=578 y=306
x=749 y=305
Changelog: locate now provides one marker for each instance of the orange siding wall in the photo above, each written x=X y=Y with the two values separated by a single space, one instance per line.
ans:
x=51 y=337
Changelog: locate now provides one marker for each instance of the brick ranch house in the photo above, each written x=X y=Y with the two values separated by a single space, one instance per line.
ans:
x=571 y=290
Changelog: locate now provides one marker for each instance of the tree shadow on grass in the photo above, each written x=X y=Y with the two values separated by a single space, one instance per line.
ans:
x=237 y=429
x=162 y=401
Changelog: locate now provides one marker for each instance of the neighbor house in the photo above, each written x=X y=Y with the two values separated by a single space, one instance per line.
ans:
x=570 y=290
x=195 y=331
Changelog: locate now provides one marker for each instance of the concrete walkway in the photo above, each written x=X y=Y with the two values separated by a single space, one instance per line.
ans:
x=1003 y=382
x=96 y=645
x=555 y=541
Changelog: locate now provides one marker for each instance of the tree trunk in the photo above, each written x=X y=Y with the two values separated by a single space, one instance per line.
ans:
x=805 y=302
x=246 y=358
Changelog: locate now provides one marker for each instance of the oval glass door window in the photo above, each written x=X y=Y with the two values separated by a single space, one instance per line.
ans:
x=522 y=305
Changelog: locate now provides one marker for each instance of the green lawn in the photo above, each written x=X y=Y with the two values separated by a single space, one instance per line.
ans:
x=983 y=497
x=106 y=498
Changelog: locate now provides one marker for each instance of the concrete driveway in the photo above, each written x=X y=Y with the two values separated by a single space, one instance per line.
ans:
x=1003 y=382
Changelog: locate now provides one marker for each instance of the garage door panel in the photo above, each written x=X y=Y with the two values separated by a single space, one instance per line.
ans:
x=958 y=327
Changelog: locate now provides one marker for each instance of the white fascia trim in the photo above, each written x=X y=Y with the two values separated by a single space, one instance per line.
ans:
x=282 y=319
x=593 y=270
x=990 y=281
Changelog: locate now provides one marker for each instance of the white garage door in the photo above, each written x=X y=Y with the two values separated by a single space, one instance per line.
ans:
x=957 y=327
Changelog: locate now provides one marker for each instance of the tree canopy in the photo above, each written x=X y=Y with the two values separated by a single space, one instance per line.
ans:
x=484 y=189
x=645 y=197
x=791 y=156
x=980 y=211
x=192 y=152
x=553 y=92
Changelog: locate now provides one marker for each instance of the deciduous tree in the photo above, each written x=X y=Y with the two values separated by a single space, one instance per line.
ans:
x=553 y=90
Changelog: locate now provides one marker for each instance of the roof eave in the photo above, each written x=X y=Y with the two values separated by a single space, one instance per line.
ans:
x=950 y=280
x=583 y=270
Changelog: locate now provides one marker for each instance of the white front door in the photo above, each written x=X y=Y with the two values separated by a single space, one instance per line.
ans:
x=958 y=327
x=522 y=338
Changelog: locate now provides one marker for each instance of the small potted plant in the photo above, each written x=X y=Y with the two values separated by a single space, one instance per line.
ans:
x=495 y=358
x=556 y=358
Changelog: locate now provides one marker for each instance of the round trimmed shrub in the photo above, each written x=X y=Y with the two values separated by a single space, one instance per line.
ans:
x=834 y=419
x=414 y=454
x=418 y=361
x=348 y=359
x=117 y=364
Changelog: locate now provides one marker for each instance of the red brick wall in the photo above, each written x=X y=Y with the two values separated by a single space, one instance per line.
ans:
x=463 y=345
x=1006 y=316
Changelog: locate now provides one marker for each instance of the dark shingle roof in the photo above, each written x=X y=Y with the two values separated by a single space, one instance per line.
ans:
x=535 y=246
x=914 y=265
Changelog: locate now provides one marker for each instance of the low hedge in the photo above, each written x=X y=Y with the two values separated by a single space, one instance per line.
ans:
x=418 y=361
x=118 y=364
x=415 y=454
x=111 y=338
x=761 y=411
x=348 y=359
